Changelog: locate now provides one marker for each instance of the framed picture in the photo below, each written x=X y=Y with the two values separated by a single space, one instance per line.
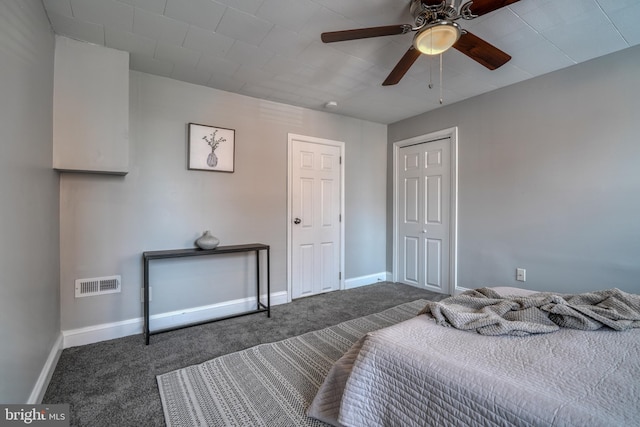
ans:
x=211 y=148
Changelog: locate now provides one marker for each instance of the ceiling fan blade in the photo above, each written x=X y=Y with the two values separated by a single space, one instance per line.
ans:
x=481 y=7
x=402 y=67
x=481 y=51
x=363 y=33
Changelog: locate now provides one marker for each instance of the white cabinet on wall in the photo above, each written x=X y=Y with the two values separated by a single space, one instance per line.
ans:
x=90 y=108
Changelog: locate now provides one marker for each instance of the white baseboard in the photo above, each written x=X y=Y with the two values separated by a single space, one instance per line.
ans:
x=370 y=279
x=40 y=388
x=109 y=331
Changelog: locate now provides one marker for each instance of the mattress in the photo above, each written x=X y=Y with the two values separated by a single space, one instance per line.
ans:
x=417 y=373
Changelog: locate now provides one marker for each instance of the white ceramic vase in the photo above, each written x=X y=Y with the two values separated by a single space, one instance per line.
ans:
x=207 y=241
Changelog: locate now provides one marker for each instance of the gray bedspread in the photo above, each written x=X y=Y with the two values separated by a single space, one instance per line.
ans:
x=417 y=373
x=484 y=311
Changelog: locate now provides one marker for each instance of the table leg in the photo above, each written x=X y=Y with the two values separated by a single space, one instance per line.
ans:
x=268 y=285
x=257 y=279
x=146 y=302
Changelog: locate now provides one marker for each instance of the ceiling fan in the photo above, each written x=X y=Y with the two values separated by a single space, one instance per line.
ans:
x=436 y=31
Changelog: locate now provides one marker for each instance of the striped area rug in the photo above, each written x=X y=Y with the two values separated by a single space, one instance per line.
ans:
x=270 y=384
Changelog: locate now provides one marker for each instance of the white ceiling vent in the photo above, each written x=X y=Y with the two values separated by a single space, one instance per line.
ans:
x=97 y=286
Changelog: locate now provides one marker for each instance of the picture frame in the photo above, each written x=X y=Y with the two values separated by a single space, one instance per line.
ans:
x=211 y=148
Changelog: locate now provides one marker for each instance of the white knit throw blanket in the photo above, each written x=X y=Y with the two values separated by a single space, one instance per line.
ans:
x=484 y=311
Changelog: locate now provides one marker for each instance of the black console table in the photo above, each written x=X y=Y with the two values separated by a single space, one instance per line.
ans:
x=182 y=253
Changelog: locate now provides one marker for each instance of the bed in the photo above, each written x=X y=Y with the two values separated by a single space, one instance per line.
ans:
x=419 y=373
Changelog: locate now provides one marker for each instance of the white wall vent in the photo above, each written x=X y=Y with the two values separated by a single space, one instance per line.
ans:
x=97 y=286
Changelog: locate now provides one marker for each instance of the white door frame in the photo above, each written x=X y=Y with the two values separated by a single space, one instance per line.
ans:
x=291 y=137
x=452 y=134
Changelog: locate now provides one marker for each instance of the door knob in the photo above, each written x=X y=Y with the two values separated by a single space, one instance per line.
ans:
x=297 y=221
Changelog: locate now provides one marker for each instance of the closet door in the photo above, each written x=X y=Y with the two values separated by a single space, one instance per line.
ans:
x=423 y=189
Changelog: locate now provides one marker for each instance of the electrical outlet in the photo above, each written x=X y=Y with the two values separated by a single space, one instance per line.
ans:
x=521 y=274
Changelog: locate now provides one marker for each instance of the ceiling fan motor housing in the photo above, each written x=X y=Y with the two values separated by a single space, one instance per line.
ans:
x=424 y=14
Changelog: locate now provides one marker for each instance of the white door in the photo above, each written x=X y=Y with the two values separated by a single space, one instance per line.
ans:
x=423 y=188
x=315 y=215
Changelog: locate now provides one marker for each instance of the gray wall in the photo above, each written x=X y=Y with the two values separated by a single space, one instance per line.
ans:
x=29 y=275
x=108 y=221
x=548 y=178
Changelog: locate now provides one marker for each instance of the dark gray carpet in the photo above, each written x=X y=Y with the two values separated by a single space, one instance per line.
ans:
x=114 y=382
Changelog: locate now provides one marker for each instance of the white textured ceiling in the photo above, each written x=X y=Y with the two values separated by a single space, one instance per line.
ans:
x=271 y=49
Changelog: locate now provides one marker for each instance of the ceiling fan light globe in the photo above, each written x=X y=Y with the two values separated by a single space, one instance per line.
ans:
x=437 y=38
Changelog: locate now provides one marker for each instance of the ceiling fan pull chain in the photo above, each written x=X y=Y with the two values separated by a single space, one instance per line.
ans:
x=441 y=101
x=430 y=72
